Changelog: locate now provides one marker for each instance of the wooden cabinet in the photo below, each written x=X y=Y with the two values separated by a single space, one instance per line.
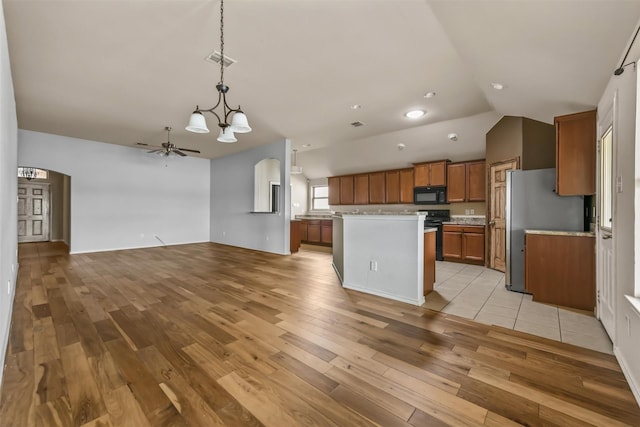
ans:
x=313 y=231
x=317 y=231
x=346 y=190
x=561 y=270
x=429 y=262
x=576 y=154
x=361 y=189
x=406 y=186
x=334 y=190
x=392 y=186
x=326 y=231
x=466 y=181
x=377 y=188
x=464 y=243
x=430 y=174
x=294 y=234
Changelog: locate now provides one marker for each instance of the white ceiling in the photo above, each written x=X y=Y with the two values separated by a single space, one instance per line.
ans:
x=120 y=71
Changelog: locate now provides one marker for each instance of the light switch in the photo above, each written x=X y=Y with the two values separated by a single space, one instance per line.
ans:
x=619 y=184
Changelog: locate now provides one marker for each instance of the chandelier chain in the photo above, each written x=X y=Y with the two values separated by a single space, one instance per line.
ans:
x=222 y=41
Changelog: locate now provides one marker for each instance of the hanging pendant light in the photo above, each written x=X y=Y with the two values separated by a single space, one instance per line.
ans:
x=239 y=122
x=295 y=169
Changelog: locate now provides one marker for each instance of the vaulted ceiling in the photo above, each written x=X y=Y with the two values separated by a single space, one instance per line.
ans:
x=120 y=71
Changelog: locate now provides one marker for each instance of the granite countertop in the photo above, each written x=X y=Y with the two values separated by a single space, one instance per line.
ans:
x=562 y=233
x=467 y=220
x=315 y=216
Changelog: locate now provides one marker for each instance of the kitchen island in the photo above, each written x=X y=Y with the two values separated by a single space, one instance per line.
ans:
x=389 y=255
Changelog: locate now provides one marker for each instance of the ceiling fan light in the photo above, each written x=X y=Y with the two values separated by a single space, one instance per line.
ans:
x=239 y=123
x=226 y=135
x=197 y=123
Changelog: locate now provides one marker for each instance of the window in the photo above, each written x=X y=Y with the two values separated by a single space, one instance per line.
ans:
x=606 y=196
x=32 y=173
x=320 y=198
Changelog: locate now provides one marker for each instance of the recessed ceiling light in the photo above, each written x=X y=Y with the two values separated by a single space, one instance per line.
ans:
x=453 y=136
x=414 y=114
x=306 y=145
x=429 y=94
x=401 y=146
x=497 y=86
x=356 y=107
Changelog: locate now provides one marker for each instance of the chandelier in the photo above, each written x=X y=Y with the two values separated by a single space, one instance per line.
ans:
x=239 y=122
x=295 y=169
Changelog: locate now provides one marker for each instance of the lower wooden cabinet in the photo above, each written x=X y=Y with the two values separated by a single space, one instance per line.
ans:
x=560 y=270
x=317 y=231
x=463 y=243
x=429 y=262
x=294 y=234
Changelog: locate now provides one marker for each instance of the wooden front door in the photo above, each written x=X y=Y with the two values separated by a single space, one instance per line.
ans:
x=33 y=212
x=497 y=213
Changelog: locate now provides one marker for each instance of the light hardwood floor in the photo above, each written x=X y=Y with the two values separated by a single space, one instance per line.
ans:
x=208 y=335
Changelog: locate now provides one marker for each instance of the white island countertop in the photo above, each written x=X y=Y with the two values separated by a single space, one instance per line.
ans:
x=382 y=253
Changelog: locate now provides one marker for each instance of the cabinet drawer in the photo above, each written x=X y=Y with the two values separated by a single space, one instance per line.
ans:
x=452 y=228
x=478 y=229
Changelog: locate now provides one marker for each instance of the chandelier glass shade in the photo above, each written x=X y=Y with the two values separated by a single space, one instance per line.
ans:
x=239 y=122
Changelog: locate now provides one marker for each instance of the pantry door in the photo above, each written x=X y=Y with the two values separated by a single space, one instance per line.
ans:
x=497 y=236
x=33 y=212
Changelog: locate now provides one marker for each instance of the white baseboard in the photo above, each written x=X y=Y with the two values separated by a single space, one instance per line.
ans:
x=633 y=382
x=418 y=301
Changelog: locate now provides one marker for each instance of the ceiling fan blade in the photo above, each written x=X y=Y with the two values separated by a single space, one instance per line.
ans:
x=189 y=150
x=142 y=143
x=178 y=152
x=156 y=151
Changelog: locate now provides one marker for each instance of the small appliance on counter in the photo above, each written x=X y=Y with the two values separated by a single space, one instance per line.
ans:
x=434 y=219
x=532 y=204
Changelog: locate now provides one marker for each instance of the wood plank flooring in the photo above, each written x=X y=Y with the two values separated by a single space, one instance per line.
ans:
x=212 y=335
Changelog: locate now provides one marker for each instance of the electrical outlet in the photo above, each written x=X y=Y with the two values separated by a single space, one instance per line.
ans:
x=472 y=211
x=224 y=233
x=266 y=238
x=619 y=183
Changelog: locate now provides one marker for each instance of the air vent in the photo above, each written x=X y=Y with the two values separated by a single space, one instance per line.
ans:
x=216 y=57
x=357 y=124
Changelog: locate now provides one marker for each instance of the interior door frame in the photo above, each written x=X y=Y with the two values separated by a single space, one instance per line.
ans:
x=488 y=239
x=609 y=118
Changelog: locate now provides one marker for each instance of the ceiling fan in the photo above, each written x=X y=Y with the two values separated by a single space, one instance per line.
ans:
x=168 y=147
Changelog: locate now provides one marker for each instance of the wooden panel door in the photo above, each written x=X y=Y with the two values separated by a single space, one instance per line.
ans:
x=313 y=231
x=376 y=188
x=473 y=245
x=438 y=173
x=576 y=154
x=406 y=186
x=456 y=182
x=476 y=181
x=33 y=212
x=392 y=187
x=346 y=190
x=497 y=239
x=429 y=262
x=334 y=190
x=421 y=175
x=361 y=189
x=452 y=242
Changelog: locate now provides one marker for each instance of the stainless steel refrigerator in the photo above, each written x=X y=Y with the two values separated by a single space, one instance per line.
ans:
x=532 y=204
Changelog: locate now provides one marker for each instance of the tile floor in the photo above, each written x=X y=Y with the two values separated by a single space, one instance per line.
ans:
x=478 y=293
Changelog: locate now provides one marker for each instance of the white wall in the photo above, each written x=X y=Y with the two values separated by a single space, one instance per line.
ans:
x=8 y=193
x=122 y=197
x=299 y=195
x=232 y=196
x=626 y=340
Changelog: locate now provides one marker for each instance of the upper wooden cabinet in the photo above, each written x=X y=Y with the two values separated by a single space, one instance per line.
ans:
x=392 y=186
x=576 y=154
x=406 y=186
x=361 y=189
x=377 y=188
x=346 y=190
x=334 y=190
x=430 y=174
x=466 y=181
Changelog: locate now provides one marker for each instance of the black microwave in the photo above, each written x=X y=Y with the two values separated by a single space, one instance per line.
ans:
x=430 y=195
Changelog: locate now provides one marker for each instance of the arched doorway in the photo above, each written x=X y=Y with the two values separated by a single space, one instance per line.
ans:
x=44 y=206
